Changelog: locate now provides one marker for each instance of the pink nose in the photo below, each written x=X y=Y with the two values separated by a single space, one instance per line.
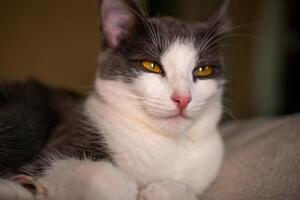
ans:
x=182 y=101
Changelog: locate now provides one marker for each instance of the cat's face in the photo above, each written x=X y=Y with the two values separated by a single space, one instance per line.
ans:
x=164 y=68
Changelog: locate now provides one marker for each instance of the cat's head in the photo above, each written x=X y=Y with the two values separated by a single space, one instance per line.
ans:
x=163 y=70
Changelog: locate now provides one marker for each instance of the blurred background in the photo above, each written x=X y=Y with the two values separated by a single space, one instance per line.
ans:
x=57 y=42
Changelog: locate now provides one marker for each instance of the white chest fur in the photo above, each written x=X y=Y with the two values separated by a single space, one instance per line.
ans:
x=146 y=155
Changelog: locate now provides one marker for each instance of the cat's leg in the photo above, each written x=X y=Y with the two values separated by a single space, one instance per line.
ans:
x=88 y=180
x=167 y=190
x=30 y=186
x=11 y=190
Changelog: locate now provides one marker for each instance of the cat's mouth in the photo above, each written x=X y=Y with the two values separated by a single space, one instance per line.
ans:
x=177 y=116
x=168 y=114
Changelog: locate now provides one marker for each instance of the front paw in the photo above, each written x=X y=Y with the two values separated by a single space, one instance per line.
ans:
x=31 y=185
x=87 y=180
x=166 y=190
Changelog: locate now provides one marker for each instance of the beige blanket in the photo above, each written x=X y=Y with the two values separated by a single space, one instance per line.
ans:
x=262 y=161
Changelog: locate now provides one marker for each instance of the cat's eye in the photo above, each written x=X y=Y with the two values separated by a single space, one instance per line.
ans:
x=204 y=71
x=152 y=66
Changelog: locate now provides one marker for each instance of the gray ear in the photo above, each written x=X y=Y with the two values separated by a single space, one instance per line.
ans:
x=219 y=18
x=118 y=20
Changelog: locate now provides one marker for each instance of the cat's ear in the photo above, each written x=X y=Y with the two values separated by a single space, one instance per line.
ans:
x=118 y=20
x=219 y=20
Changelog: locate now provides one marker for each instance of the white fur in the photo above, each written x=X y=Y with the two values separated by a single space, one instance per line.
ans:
x=179 y=61
x=147 y=154
x=11 y=191
x=148 y=145
x=83 y=179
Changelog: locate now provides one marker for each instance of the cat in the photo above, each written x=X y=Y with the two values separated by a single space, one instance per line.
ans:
x=149 y=129
x=23 y=126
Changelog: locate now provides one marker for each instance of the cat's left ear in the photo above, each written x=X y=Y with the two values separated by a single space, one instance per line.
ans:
x=219 y=20
x=119 y=19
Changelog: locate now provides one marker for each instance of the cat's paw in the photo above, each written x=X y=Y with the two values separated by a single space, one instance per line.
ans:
x=31 y=185
x=88 y=180
x=166 y=190
x=10 y=190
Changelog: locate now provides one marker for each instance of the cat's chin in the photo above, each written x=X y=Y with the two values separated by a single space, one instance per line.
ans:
x=174 y=117
x=174 y=124
x=178 y=117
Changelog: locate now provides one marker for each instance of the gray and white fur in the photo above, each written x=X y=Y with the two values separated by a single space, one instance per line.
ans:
x=129 y=140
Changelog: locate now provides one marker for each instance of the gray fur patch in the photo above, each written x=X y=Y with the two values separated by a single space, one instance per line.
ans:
x=149 y=39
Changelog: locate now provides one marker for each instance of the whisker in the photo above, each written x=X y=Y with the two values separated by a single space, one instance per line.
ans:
x=206 y=38
x=148 y=26
x=237 y=27
x=225 y=37
x=221 y=32
x=222 y=46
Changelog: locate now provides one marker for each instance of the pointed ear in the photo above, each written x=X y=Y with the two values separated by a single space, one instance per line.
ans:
x=118 y=19
x=219 y=18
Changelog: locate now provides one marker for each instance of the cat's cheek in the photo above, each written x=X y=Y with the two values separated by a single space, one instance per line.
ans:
x=204 y=89
x=152 y=86
x=155 y=95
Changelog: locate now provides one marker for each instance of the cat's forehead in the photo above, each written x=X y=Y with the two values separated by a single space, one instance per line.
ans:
x=173 y=29
x=159 y=34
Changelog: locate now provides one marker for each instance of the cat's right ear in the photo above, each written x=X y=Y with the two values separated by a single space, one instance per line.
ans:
x=119 y=19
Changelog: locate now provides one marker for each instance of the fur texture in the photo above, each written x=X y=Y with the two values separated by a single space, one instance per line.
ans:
x=28 y=114
x=129 y=139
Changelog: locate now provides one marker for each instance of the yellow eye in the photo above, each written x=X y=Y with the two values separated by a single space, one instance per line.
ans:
x=204 y=71
x=152 y=66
